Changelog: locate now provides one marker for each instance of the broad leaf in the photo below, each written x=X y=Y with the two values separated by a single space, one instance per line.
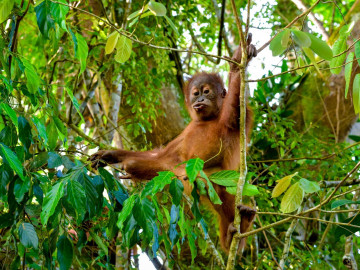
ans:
x=174 y=217
x=348 y=230
x=111 y=42
x=301 y=38
x=214 y=197
x=248 y=190
x=227 y=178
x=282 y=185
x=99 y=242
x=127 y=209
x=52 y=133
x=10 y=112
x=292 y=198
x=276 y=44
x=82 y=51
x=6 y=7
x=163 y=179
x=176 y=190
x=137 y=13
x=32 y=78
x=157 y=8
x=285 y=38
x=77 y=197
x=25 y=135
x=59 y=12
x=43 y=17
x=339 y=203
x=40 y=128
x=65 y=252
x=193 y=167
x=74 y=101
x=12 y=159
x=320 y=47
x=51 y=200
x=28 y=236
x=124 y=48
x=338 y=47
x=348 y=70
x=309 y=186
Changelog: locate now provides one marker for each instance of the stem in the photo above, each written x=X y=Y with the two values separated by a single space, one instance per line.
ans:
x=243 y=170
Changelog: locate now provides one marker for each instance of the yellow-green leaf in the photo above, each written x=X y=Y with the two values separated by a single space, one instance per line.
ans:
x=292 y=199
x=282 y=185
x=309 y=53
x=5 y=9
x=285 y=38
x=123 y=47
x=111 y=42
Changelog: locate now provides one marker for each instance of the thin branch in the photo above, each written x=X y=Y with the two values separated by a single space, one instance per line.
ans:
x=300 y=5
x=142 y=42
x=242 y=142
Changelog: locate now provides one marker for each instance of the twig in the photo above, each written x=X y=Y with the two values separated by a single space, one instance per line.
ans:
x=287 y=243
x=243 y=169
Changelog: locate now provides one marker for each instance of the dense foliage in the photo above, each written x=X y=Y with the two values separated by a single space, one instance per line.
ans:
x=81 y=75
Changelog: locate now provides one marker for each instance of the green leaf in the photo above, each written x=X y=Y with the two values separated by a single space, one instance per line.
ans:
x=174 y=217
x=276 y=44
x=292 y=198
x=82 y=51
x=43 y=17
x=75 y=102
x=301 y=38
x=59 y=12
x=54 y=160
x=99 y=242
x=65 y=252
x=77 y=197
x=348 y=230
x=124 y=48
x=32 y=78
x=320 y=47
x=338 y=47
x=28 y=236
x=356 y=93
x=51 y=200
x=25 y=135
x=214 y=197
x=111 y=42
x=339 y=203
x=163 y=179
x=357 y=51
x=172 y=25
x=309 y=186
x=193 y=167
x=12 y=159
x=137 y=13
x=285 y=38
x=309 y=53
x=348 y=70
x=226 y=178
x=10 y=112
x=157 y=8
x=127 y=210
x=40 y=128
x=176 y=190
x=20 y=188
x=282 y=185
x=52 y=133
x=248 y=190
x=6 y=7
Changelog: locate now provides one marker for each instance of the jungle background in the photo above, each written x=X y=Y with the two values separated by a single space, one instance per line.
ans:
x=77 y=76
